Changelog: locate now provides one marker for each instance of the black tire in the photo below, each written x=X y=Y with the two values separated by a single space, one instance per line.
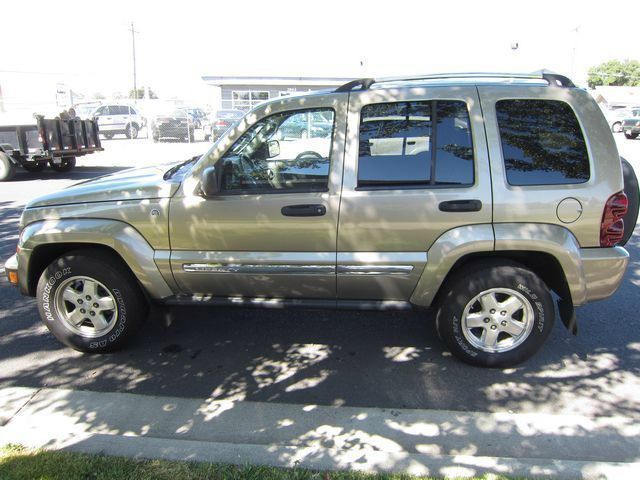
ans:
x=630 y=136
x=7 y=168
x=633 y=196
x=34 y=167
x=131 y=131
x=495 y=279
x=616 y=127
x=68 y=164
x=66 y=274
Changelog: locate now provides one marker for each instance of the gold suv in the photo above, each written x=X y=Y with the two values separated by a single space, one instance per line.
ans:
x=475 y=194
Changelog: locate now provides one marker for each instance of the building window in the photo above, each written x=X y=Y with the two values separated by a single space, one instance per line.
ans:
x=247 y=99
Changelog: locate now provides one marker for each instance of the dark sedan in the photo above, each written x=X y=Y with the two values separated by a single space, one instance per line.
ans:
x=223 y=120
x=174 y=125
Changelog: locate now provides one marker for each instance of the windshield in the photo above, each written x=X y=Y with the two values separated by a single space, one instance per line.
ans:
x=84 y=111
x=174 y=113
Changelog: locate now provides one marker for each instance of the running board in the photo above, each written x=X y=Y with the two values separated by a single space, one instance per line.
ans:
x=279 y=303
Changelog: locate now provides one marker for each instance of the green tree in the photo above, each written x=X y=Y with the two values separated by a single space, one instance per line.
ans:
x=141 y=93
x=615 y=73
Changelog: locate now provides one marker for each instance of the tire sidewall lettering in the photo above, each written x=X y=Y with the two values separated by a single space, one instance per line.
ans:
x=45 y=298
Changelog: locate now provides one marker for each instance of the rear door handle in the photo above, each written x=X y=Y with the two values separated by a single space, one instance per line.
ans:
x=315 y=210
x=460 y=206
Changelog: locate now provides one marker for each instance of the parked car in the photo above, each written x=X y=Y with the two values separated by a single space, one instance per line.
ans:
x=631 y=124
x=475 y=196
x=114 y=119
x=175 y=124
x=222 y=121
x=313 y=124
x=616 y=116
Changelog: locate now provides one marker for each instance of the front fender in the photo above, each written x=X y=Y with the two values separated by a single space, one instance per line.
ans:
x=121 y=237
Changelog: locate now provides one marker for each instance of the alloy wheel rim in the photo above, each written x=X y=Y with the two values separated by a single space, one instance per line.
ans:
x=86 y=307
x=497 y=320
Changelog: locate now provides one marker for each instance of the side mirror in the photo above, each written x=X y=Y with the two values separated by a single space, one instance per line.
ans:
x=274 y=148
x=209 y=182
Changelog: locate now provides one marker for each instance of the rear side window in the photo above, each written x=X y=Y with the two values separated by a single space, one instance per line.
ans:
x=542 y=143
x=422 y=143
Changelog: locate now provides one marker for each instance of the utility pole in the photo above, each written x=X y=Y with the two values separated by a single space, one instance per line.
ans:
x=135 y=82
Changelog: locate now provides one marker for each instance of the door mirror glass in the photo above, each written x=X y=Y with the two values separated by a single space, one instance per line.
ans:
x=274 y=148
x=209 y=182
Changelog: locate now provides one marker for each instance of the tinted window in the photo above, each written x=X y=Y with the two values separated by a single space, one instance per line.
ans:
x=400 y=146
x=542 y=143
x=288 y=151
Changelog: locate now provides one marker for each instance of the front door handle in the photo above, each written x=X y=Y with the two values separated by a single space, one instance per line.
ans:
x=460 y=206
x=315 y=210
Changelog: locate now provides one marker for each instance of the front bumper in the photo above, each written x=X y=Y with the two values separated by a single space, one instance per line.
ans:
x=11 y=270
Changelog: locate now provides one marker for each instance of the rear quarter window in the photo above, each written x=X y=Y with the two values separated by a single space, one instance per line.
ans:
x=542 y=143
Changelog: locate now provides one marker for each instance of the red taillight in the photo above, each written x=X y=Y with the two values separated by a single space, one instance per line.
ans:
x=612 y=225
x=221 y=123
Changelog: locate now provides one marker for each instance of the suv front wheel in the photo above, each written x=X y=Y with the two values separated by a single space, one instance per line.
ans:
x=90 y=302
x=495 y=314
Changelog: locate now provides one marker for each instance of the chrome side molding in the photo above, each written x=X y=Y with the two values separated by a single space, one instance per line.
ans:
x=375 y=269
x=266 y=269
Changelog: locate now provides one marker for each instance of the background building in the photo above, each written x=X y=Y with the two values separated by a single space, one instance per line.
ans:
x=244 y=93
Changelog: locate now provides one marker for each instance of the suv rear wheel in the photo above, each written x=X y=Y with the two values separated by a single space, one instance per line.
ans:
x=90 y=302
x=495 y=314
x=131 y=131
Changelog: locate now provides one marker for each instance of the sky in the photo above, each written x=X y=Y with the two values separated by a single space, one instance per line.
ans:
x=87 y=45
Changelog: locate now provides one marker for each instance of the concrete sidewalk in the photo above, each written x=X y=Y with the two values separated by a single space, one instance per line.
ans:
x=420 y=442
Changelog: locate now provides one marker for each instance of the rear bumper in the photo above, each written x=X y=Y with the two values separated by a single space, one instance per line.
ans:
x=603 y=270
x=172 y=131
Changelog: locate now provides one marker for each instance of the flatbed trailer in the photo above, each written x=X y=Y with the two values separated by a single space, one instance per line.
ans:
x=54 y=142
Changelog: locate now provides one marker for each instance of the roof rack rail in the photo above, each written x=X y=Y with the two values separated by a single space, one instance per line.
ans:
x=553 y=79
x=363 y=83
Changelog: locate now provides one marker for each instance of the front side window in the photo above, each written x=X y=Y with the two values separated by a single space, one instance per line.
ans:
x=542 y=143
x=288 y=151
x=421 y=143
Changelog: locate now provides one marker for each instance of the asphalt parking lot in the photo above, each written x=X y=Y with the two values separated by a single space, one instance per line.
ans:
x=366 y=359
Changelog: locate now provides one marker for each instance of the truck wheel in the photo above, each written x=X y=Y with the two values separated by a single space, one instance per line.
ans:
x=630 y=135
x=34 y=167
x=495 y=314
x=131 y=131
x=7 y=168
x=68 y=163
x=90 y=302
